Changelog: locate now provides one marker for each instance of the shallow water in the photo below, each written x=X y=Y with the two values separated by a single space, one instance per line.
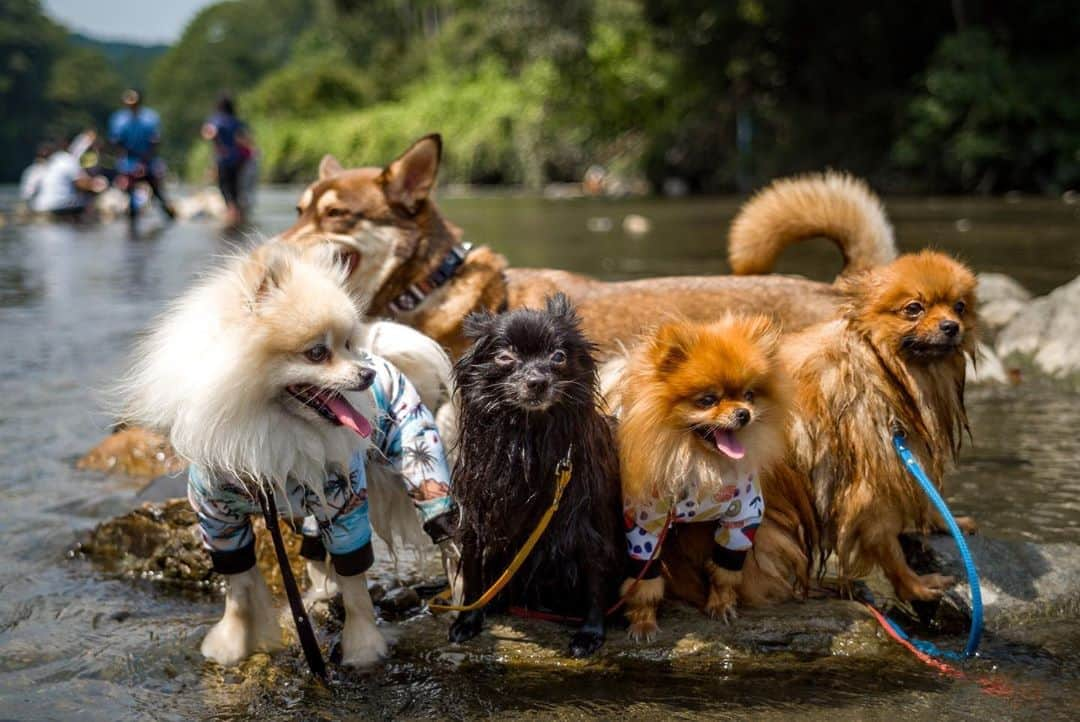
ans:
x=77 y=644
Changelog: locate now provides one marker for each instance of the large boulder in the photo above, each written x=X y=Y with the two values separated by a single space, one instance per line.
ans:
x=1046 y=330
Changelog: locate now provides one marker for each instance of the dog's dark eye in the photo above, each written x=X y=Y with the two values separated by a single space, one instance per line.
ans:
x=337 y=212
x=707 y=401
x=505 y=358
x=914 y=309
x=558 y=358
x=749 y=396
x=960 y=307
x=317 y=353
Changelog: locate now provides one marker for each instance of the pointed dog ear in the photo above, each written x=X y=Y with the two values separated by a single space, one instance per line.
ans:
x=408 y=181
x=669 y=347
x=329 y=167
x=478 y=324
x=559 y=305
x=265 y=270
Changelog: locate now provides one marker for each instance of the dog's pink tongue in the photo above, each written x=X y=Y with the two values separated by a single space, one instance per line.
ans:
x=348 y=416
x=727 y=444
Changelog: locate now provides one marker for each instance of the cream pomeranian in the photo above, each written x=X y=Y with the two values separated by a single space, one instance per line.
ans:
x=260 y=376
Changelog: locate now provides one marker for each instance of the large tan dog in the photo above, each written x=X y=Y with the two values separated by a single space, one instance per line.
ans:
x=400 y=250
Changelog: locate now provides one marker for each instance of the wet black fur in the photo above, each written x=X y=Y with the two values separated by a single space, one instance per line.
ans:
x=504 y=478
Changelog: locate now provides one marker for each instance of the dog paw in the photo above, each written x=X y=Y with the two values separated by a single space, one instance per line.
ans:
x=721 y=604
x=718 y=613
x=466 y=626
x=362 y=647
x=967 y=524
x=644 y=630
x=365 y=657
x=929 y=588
x=231 y=641
x=584 y=644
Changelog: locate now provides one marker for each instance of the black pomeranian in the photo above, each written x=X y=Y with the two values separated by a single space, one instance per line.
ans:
x=528 y=393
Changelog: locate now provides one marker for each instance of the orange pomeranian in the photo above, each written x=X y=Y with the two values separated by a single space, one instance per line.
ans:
x=703 y=416
x=894 y=362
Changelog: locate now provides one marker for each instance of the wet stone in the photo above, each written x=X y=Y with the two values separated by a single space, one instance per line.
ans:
x=398 y=601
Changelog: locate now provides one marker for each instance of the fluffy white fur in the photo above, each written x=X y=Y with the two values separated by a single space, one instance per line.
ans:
x=250 y=622
x=420 y=358
x=423 y=361
x=212 y=374
x=204 y=375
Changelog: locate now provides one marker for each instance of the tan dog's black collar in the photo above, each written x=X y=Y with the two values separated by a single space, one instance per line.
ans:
x=414 y=295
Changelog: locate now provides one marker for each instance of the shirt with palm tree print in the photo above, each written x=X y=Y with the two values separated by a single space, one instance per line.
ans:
x=404 y=438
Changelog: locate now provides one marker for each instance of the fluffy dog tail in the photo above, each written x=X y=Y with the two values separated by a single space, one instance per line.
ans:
x=835 y=205
x=393 y=514
x=420 y=358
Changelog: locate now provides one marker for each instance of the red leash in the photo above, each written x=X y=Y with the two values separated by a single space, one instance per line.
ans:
x=994 y=686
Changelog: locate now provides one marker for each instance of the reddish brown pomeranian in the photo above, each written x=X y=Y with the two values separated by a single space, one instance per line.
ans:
x=894 y=361
x=703 y=414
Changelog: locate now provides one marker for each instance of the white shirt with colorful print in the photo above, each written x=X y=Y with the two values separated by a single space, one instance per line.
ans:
x=736 y=509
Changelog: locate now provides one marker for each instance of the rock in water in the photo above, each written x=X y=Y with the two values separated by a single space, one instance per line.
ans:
x=133 y=451
x=1047 y=329
x=1001 y=297
x=161 y=542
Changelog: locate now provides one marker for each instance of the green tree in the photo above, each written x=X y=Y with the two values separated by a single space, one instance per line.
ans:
x=29 y=43
x=227 y=47
x=82 y=91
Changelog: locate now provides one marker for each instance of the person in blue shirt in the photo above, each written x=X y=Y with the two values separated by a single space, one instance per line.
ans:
x=232 y=151
x=136 y=131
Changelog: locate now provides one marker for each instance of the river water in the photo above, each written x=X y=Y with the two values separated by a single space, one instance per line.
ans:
x=77 y=644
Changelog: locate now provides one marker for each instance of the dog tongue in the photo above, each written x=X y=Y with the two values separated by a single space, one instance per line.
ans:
x=727 y=443
x=348 y=416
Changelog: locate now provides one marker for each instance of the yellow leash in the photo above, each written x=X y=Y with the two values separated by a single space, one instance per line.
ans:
x=440 y=602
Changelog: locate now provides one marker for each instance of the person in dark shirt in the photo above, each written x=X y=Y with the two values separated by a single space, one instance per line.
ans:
x=233 y=151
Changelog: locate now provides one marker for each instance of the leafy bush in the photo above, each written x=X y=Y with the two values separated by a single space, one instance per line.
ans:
x=986 y=121
x=314 y=85
x=492 y=118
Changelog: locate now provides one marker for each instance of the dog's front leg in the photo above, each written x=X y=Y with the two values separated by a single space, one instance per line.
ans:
x=643 y=598
x=722 y=595
x=250 y=623
x=362 y=644
x=590 y=636
x=469 y=624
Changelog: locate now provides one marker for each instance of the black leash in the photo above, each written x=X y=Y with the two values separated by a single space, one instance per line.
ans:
x=303 y=624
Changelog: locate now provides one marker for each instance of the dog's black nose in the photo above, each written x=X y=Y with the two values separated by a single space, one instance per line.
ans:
x=364 y=379
x=949 y=327
x=742 y=416
x=536 y=384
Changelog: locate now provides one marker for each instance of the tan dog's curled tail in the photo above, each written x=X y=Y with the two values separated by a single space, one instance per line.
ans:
x=833 y=204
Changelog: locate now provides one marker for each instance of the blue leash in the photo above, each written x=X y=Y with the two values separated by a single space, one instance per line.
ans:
x=975 y=633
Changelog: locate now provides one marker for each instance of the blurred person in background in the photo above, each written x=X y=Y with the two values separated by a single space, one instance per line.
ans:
x=233 y=152
x=59 y=187
x=136 y=131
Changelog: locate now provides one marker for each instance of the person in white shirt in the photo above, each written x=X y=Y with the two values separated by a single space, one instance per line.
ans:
x=62 y=187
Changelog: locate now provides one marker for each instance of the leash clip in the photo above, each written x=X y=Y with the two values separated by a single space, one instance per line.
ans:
x=565 y=465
